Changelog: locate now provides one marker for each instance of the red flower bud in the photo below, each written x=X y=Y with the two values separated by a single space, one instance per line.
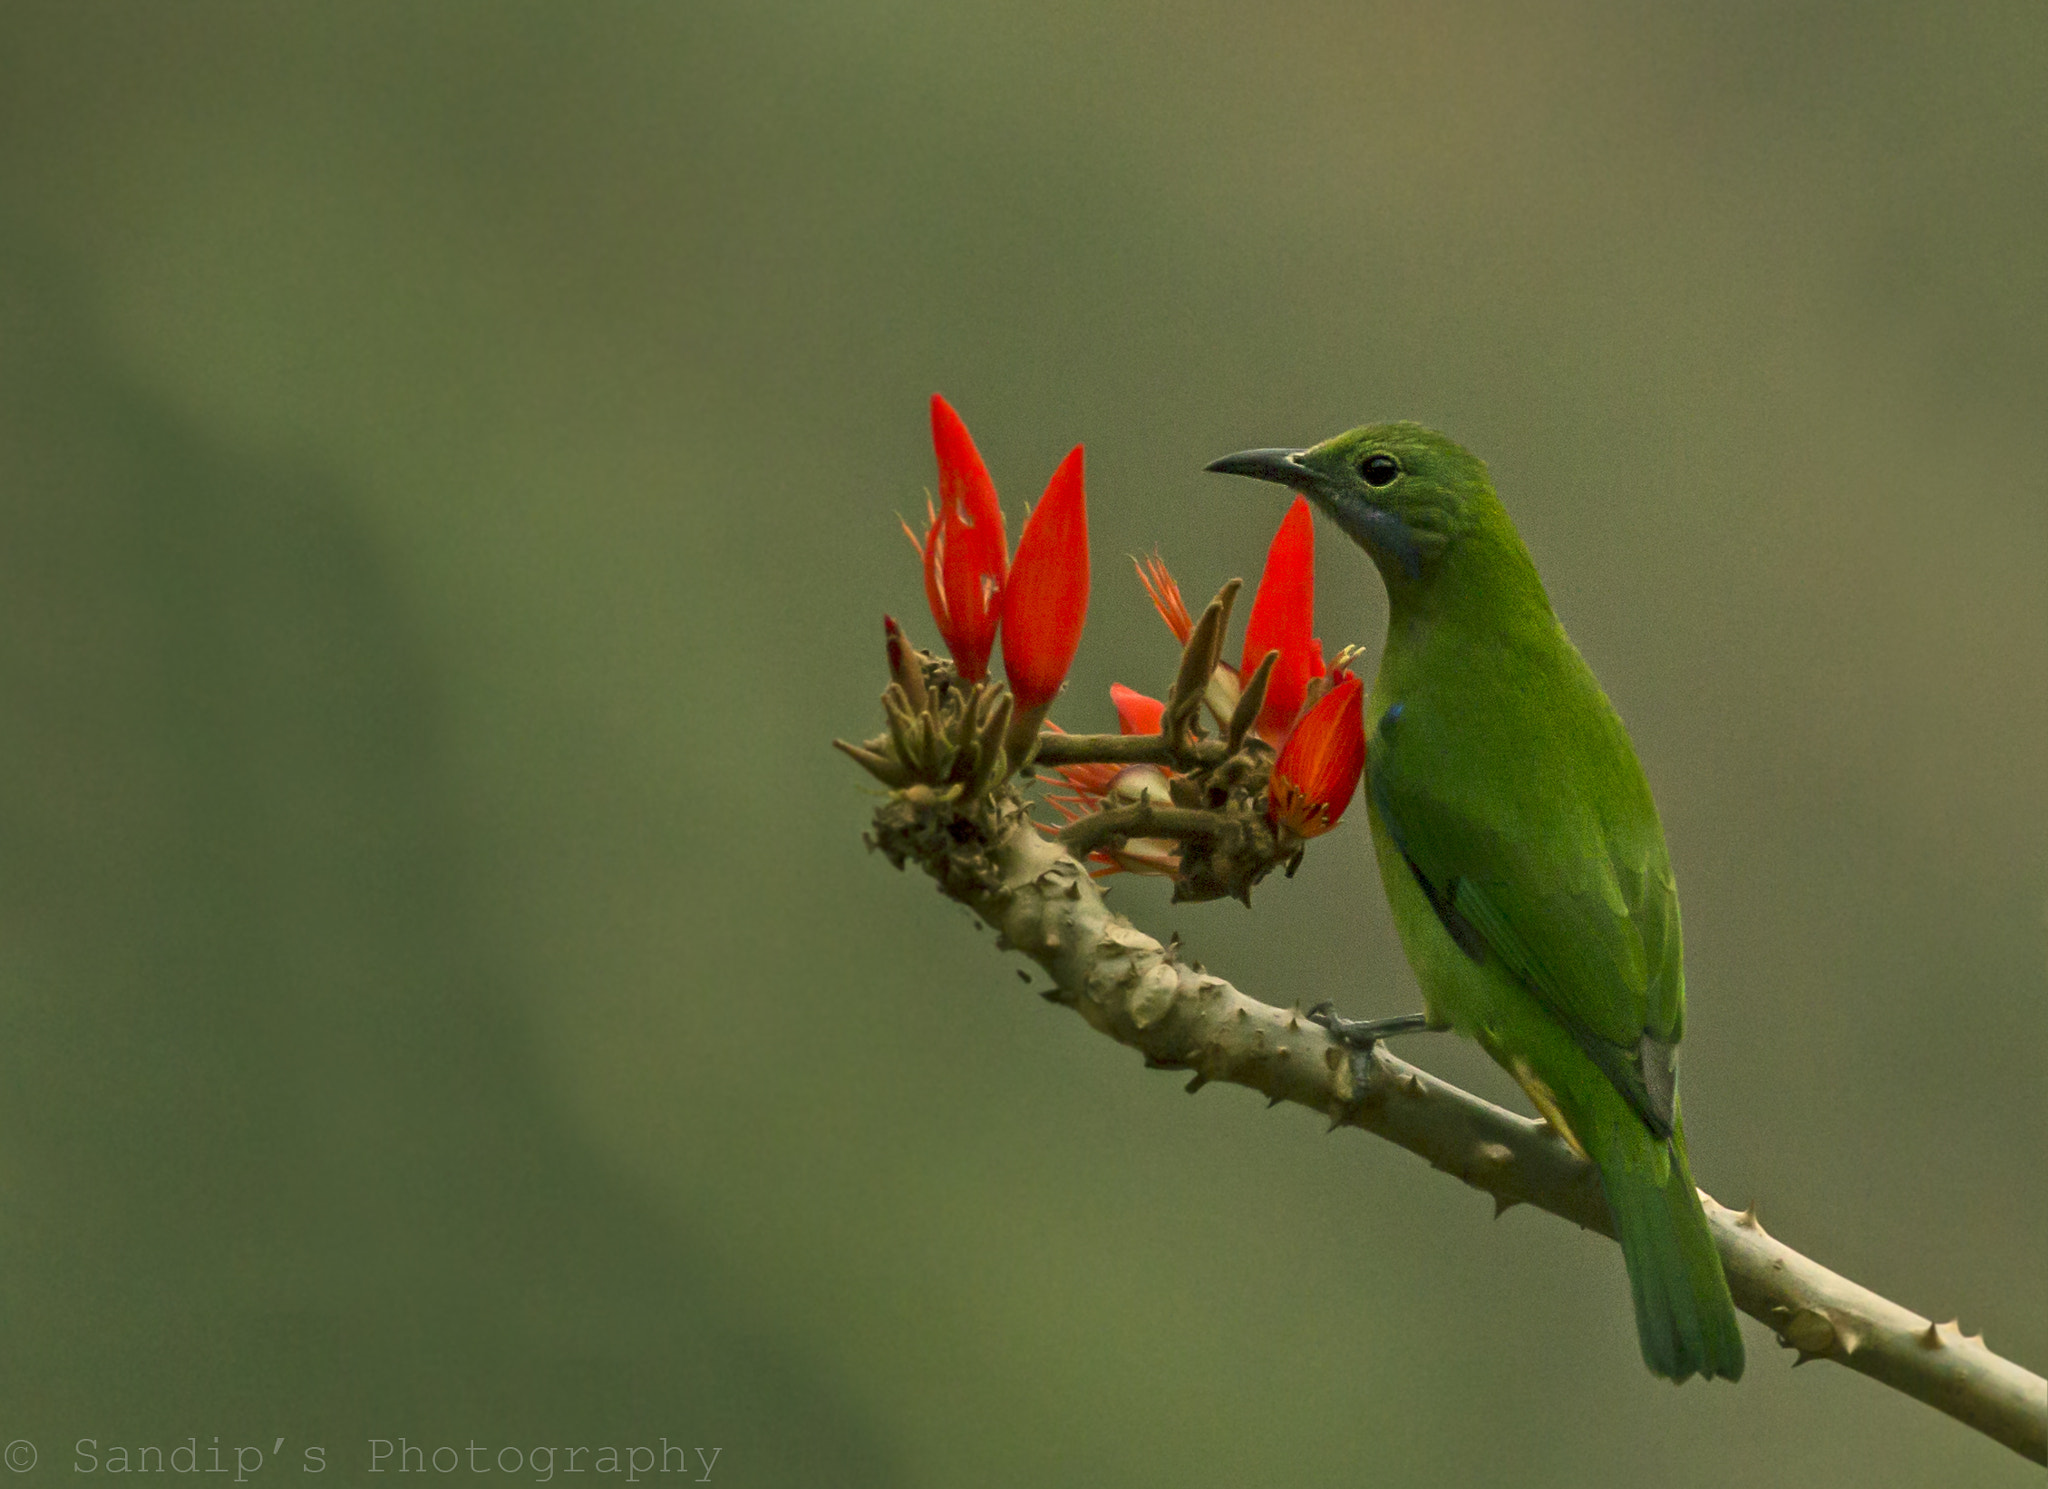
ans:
x=965 y=549
x=1317 y=772
x=904 y=670
x=1283 y=614
x=1045 y=600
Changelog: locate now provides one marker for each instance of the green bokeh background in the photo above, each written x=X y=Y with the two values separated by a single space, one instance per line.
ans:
x=449 y=460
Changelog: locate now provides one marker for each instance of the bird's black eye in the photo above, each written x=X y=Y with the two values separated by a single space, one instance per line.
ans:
x=1379 y=470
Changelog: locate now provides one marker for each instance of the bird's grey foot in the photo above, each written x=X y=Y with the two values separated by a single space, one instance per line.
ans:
x=1363 y=1034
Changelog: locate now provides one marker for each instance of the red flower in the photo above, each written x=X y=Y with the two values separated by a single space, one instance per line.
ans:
x=1282 y=618
x=1045 y=601
x=1283 y=614
x=1039 y=603
x=1317 y=772
x=965 y=548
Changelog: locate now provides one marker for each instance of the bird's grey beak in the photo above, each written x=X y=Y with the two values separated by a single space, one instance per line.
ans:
x=1283 y=467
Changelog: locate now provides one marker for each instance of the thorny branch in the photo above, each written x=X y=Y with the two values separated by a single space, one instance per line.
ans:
x=1218 y=813
x=1042 y=902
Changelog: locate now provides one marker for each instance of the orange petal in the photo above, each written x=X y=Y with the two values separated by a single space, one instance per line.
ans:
x=1165 y=594
x=1135 y=713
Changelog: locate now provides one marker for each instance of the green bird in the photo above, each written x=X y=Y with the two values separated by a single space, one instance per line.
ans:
x=1521 y=854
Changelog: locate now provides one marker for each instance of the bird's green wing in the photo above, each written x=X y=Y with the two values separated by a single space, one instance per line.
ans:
x=1585 y=918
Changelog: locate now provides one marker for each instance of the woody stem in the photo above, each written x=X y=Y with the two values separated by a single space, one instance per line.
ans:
x=1143 y=820
x=1125 y=749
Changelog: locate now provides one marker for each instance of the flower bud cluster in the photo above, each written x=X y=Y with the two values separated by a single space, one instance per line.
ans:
x=1214 y=785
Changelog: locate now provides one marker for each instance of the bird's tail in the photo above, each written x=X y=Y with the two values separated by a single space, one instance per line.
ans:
x=1685 y=1319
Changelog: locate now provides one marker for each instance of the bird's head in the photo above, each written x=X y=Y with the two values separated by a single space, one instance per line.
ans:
x=1404 y=493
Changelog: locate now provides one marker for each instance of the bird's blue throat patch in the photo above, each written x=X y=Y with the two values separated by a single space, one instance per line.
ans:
x=1383 y=535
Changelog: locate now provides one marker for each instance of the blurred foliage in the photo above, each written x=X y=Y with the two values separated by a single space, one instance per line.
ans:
x=448 y=465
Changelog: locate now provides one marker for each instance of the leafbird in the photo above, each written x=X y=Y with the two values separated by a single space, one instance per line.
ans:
x=1521 y=854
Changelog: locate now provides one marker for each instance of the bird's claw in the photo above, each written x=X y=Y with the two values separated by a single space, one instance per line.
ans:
x=1353 y=1034
x=1362 y=1034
